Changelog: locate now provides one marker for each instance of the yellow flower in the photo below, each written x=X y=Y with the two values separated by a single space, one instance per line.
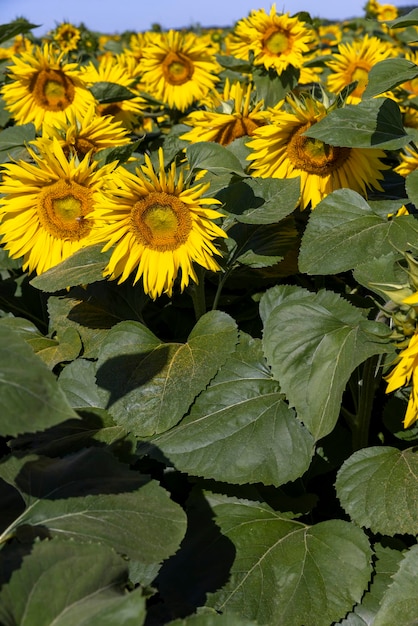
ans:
x=406 y=373
x=234 y=117
x=88 y=135
x=158 y=227
x=275 y=40
x=179 y=68
x=117 y=70
x=409 y=161
x=280 y=150
x=44 y=88
x=386 y=12
x=353 y=62
x=66 y=37
x=45 y=211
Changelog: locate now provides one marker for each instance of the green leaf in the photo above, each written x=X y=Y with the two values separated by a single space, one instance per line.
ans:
x=344 y=231
x=106 y=92
x=67 y=583
x=386 y=564
x=83 y=267
x=410 y=19
x=389 y=73
x=209 y=617
x=30 y=397
x=288 y=573
x=240 y=430
x=85 y=496
x=374 y=123
x=14 y=139
x=67 y=346
x=261 y=200
x=272 y=87
x=400 y=603
x=207 y=155
x=411 y=185
x=313 y=344
x=19 y=26
x=149 y=384
x=377 y=487
x=380 y=274
x=78 y=380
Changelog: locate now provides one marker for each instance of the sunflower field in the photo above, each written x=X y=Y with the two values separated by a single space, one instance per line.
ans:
x=209 y=323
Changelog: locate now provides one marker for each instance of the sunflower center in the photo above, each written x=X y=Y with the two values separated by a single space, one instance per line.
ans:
x=276 y=41
x=52 y=90
x=161 y=221
x=315 y=156
x=240 y=127
x=80 y=146
x=177 y=68
x=62 y=208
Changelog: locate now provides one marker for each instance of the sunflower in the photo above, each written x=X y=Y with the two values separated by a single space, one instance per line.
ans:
x=281 y=150
x=45 y=211
x=88 y=135
x=157 y=226
x=118 y=70
x=44 y=88
x=66 y=37
x=405 y=373
x=353 y=62
x=179 y=68
x=234 y=117
x=408 y=161
x=386 y=12
x=275 y=40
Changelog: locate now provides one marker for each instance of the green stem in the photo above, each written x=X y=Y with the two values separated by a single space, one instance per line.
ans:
x=369 y=383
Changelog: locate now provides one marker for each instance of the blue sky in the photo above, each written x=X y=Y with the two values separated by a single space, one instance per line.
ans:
x=112 y=16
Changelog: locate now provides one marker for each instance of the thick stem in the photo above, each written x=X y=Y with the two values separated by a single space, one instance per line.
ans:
x=369 y=383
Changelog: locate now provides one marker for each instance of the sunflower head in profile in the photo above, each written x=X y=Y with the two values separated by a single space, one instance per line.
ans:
x=158 y=227
x=275 y=40
x=353 y=62
x=44 y=88
x=282 y=150
x=179 y=68
x=86 y=136
x=46 y=206
x=236 y=115
x=408 y=161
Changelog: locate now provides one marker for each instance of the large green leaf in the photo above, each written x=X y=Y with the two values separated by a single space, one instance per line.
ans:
x=374 y=123
x=389 y=73
x=377 y=487
x=68 y=584
x=400 y=603
x=386 y=563
x=240 y=430
x=261 y=200
x=312 y=345
x=30 y=398
x=344 y=231
x=288 y=573
x=207 y=155
x=89 y=496
x=150 y=385
x=209 y=617
x=106 y=92
x=13 y=141
x=410 y=19
x=83 y=267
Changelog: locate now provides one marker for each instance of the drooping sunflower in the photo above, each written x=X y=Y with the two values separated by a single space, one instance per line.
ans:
x=280 y=150
x=44 y=88
x=46 y=207
x=235 y=116
x=85 y=136
x=158 y=226
x=405 y=373
x=116 y=69
x=179 y=68
x=275 y=40
x=353 y=62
